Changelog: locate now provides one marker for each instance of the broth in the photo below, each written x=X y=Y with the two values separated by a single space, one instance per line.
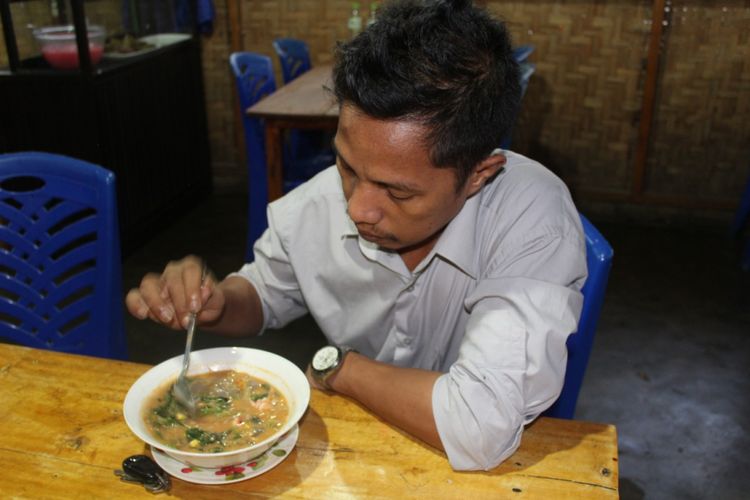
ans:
x=233 y=410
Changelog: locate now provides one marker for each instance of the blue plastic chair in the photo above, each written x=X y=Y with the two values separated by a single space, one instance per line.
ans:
x=294 y=57
x=60 y=268
x=599 y=261
x=522 y=52
x=741 y=220
x=526 y=71
x=255 y=79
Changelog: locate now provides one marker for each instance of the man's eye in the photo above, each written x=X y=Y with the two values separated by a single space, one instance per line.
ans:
x=400 y=196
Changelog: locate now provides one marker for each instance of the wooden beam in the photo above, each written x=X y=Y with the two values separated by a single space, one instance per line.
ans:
x=649 y=97
x=235 y=42
x=235 y=25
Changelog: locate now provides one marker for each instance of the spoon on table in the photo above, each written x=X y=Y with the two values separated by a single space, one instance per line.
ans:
x=181 y=388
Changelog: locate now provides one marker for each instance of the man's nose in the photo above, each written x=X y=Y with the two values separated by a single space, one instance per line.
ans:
x=363 y=204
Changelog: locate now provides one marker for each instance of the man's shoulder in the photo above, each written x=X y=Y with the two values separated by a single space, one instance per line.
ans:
x=524 y=201
x=323 y=187
x=523 y=182
x=523 y=171
x=320 y=199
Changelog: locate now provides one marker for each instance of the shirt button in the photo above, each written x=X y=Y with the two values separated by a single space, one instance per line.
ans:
x=407 y=341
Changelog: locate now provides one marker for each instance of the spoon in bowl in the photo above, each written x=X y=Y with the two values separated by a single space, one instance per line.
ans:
x=181 y=388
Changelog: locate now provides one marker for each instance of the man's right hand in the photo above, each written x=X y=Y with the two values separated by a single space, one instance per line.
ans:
x=170 y=298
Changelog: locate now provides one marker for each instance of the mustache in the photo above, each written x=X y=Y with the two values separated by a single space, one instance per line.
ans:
x=376 y=234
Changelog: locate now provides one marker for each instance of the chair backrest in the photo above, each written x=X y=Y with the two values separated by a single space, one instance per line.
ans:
x=253 y=74
x=526 y=71
x=301 y=146
x=60 y=267
x=522 y=52
x=294 y=56
x=599 y=261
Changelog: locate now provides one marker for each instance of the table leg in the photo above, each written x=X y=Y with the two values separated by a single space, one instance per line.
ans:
x=274 y=160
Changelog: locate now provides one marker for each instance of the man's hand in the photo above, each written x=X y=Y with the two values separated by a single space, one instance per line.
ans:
x=170 y=298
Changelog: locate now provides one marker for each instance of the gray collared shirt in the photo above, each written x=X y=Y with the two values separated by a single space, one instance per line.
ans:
x=490 y=306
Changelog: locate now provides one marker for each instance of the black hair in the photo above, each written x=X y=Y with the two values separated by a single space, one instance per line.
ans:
x=444 y=63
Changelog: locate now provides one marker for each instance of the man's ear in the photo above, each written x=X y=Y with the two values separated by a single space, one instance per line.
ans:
x=484 y=171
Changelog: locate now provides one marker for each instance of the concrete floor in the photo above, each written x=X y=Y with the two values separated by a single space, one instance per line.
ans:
x=669 y=366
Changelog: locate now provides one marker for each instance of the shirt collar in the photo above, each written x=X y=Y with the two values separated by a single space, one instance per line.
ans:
x=457 y=244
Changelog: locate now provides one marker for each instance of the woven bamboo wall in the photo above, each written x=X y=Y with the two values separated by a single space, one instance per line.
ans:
x=25 y=14
x=582 y=111
x=700 y=143
x=580 y=114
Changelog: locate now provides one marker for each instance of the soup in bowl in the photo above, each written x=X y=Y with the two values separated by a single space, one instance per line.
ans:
x=246 y=400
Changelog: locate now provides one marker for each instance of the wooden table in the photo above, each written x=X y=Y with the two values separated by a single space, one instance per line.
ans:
x=63 y=433
x=305 y=103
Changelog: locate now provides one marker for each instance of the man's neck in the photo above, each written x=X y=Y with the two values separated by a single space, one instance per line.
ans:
x=413 y=255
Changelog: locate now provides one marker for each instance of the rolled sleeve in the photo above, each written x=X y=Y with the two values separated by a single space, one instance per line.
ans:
x=510 y=368
x=511 y=362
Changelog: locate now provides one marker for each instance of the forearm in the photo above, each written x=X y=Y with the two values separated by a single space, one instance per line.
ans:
x=401 y=396
x=242 y=314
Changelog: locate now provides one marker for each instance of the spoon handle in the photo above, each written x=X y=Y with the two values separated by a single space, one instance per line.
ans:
x=191 y=327
x=188 y=344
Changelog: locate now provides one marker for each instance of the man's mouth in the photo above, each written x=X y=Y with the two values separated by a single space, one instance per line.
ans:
x=370 y=236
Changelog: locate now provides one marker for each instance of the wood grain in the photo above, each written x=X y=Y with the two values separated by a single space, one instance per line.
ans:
x=64 y=435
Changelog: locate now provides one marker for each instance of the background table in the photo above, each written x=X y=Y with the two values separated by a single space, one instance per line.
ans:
x=63 y=434
x=305 y=102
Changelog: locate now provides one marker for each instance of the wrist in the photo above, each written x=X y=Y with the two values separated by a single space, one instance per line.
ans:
x=337 y=382
x=326 y=364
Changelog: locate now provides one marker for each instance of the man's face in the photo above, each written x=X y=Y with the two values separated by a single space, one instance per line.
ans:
x=397 y=198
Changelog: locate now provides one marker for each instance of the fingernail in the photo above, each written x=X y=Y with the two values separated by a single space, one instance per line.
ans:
x=194 y=303
x=142 y=313
x=185 y=321
x=165 y=313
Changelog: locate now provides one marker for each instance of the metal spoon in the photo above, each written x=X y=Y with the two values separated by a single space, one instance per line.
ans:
x=181 y=388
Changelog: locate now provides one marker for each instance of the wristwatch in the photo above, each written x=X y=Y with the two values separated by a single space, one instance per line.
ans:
x=327 y=362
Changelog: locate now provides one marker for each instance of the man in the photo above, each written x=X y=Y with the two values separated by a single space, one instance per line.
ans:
x=445 y=274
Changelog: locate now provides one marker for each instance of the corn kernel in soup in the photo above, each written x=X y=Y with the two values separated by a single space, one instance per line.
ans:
x=233 y=410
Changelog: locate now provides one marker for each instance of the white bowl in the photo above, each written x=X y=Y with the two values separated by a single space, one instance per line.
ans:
x=279 y=372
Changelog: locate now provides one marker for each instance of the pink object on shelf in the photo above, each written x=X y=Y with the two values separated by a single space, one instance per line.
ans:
x=59 y=48
x=66 y=56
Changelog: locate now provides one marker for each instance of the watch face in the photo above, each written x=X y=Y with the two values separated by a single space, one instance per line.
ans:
x=325 y=358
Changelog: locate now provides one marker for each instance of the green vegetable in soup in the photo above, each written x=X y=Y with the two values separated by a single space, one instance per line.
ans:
x=165 y=415
x=213 y=405
x=234 y=410
x=256 y=397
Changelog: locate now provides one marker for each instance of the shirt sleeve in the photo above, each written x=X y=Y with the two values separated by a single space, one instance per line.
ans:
x=511 y=363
